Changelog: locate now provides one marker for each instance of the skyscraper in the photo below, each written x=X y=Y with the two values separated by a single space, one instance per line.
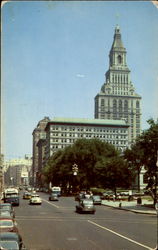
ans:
x=117 y=99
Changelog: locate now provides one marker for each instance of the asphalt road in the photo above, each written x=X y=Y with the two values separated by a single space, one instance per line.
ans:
x=56 y=226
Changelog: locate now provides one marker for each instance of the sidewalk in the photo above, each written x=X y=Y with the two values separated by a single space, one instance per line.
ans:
x=131 y=206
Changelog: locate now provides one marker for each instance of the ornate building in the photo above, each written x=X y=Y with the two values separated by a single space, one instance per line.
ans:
x=38 y=133
x=117 y=99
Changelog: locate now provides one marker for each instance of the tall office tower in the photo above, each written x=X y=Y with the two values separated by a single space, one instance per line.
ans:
x=117 y=99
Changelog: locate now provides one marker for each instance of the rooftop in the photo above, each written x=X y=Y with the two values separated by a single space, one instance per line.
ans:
x=89 y=121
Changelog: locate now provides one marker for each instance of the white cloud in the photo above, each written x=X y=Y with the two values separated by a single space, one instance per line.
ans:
x=80 y=75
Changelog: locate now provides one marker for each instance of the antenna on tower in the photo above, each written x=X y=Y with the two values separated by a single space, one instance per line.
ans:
x=117 y=18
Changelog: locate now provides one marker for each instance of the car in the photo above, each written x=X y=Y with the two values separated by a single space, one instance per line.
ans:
x=7 y=207
x=96 y=199
x=26 y=195
x=5 y=214
x=86 y=206
x=35 y=200
x=53 y=197
x=10 y=240
x=8 y=225
x=9 y=245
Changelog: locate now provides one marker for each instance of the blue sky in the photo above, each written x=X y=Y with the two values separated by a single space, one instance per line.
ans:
x=55 y=55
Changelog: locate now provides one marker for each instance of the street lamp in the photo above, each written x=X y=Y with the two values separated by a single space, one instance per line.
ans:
x=12 y=181
x=74 y=171
x=138 y=169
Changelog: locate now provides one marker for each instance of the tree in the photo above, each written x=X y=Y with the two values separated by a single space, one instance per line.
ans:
x=89 y=155
x=144 y=151
x=114 y=173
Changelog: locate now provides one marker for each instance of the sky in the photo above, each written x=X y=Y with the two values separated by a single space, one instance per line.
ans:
x=55 y=55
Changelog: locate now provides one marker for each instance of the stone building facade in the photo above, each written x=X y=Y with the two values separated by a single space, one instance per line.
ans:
x=38 y=133
x=62 y=132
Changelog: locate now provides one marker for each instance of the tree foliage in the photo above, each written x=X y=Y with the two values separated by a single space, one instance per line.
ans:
x=144 y=153
x=99 y=164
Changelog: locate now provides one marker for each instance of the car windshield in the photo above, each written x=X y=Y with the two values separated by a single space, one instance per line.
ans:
x=4 y=213
x=96 y=197
x=87 y=202
x=9 y=245
x=6 y=223
x=11 y=195
x=5 y=207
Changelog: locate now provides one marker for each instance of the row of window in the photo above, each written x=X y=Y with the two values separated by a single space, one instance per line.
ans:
x=122 y=143
x=56 y=128
x=90 y=136
x=120 y=103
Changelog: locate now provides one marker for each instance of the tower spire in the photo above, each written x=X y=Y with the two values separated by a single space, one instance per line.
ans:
x=117 y=42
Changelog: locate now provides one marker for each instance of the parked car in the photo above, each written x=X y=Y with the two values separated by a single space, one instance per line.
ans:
x=108 y=195
x=35 y=200
x=10 y=240
x=96 y=199
x=6 y=214
x=53 y=197
x=26 y=195
x=7 y=207
x=8 y=225
x=86 y=206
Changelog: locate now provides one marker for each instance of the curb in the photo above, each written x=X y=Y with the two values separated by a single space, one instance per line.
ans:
x=132 y=210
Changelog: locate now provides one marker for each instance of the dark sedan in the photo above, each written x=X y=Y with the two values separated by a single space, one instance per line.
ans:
x=6 y=214
x=53 y=197
x=85 y=206
x=7 y=207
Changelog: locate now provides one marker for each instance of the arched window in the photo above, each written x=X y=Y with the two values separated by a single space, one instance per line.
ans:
x=120 y=108
x=114 y=109
x=126 y=104
x=120 y=104
x=119 y=59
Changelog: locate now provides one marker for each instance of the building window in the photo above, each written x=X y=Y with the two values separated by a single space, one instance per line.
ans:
x=102 y=102
x=119 y=59
x=137 y=104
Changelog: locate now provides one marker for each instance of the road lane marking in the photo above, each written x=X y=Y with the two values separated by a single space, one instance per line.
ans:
x=50 y=203
x=120 y=235
x=72 y=238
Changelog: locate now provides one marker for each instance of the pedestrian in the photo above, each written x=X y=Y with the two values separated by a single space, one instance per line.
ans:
x=114 y=197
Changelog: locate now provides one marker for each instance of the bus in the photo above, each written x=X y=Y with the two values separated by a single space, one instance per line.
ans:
x=56 y=190
x=11 y=195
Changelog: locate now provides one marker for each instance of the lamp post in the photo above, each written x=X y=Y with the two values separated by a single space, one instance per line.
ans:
x=138 y=169
x=12 y=181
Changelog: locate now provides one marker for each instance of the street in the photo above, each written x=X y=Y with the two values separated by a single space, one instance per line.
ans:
x=56 y=226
